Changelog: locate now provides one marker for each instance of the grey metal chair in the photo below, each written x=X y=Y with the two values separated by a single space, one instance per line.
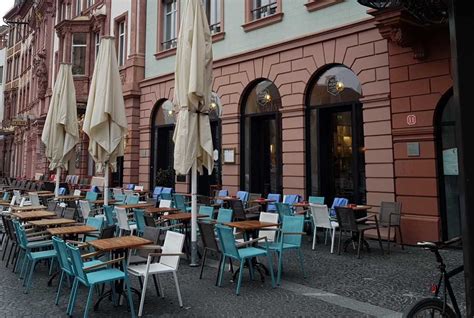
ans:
x=389 y=216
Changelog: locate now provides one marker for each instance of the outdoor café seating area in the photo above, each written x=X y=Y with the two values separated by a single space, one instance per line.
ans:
x=143 y=236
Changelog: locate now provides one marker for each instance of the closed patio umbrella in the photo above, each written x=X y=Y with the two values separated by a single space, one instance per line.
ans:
x=192 y=92
x=105 y=122
x=61 y=133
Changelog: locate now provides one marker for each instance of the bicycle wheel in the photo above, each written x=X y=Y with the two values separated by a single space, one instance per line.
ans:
x=430 y=307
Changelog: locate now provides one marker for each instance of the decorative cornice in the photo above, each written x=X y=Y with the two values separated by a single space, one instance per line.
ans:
x=413 y=134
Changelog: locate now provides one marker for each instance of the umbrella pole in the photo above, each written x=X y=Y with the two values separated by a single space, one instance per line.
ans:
x=56 y=188
x=194 y=261
x=106 y=184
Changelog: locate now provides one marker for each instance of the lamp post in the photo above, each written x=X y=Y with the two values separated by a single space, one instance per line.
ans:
x=460 y=15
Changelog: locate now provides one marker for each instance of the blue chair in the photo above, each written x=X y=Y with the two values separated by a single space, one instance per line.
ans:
x=64 y=264
x=289 y=237
x=291 y=198
x=91 y=196
x=271 y=207
x=139 y=215
x=337 y=202
x=206 y=210
x=131 y=186
x=30 y=258
x=222 y=193
x=91 y=279
x=224 y=215
x=243 y=196
x=157 y=192
x=179 y=202
x=283 y=209
x=316 y=200
x=120 y=198
x=6 y=196
x=132 y=199
x=229 y=249
x=62 y=191
x=166 y=194
x=109 y=215
x=97 y=223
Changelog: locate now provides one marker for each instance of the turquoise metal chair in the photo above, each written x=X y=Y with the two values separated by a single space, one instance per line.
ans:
x=230 y=250
x=316 y=200
x=206 y=210
x=30 y=258
x=110 y=218
x=120 y=198
x=132 y=199
x=91 y=196
x=283 y=209
x=6 y=196
x=289 y=237
x=271 y=207
x=97 y=223
x=180 y=203
x=224 y=215
x=91 y=279
x=222 y=193
x=139 y=215
x=157 y=192
x=166 y=194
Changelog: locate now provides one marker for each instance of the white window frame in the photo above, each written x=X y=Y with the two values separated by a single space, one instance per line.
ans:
x=122 y=29
x=78 y=7
x=214 y=15
x=73 y=46
x=96 y=44
x=170 y=12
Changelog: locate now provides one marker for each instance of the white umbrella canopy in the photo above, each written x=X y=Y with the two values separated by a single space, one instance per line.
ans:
x=61 y=133
x=105 y=121
x=192 y=92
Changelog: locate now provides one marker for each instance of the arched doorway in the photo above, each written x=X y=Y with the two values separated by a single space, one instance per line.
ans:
x=261 y=159
x=334 y=136
x=162 y=145
x=205 y=181
x=447 y=148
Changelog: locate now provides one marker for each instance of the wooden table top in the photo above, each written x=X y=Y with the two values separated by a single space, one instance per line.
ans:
x=28 y=208
x=359 y=207
x=135 y=206
x=68 y=230
x=188 y=195
x=119 y=243
x=228 y=198
x=31 y=215
x=70 y=197
x=185 y=217
x=45 y=195
x=263 y=201
x=161 y=210
x=101 y=201
x=52 y=222
x=3 y=202
x=43 y=192
x=250 y=225
x=301 y=205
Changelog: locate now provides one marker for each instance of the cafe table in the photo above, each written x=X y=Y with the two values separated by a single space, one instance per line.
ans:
x=118 y=247
x=153 y=210
x=71 y=230
x=4 y=202
x=263 y=202
x=249 y=228
x=52 y=222
x=27 y=208
x=135 y=206
x=69 y=197
x=101 y=201
x=360 y=211
x=33 y=215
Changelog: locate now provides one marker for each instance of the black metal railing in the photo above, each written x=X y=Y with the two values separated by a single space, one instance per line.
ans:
x=264 y=11
x=169 y=44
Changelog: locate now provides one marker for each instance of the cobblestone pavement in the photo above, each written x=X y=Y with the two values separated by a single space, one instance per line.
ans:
x=336 y=286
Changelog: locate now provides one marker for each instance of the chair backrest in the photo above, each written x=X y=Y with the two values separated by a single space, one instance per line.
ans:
x=52 y=205
x=17 y=195
x=271 y=207
x=122 y=218
x=20 y=234
x=132 y=199
x=77 y=265
x=320 y=215
x=61 y=250
x=227 y=240
x=152 y=234
x=292 y=224
x=128 y=192
x=34 y=198
x=238 y=210
x=23 y=202
x=346 y=219
x=107 y=232
x=337 y=202
x=139 y=219
x=109 y=215
x=6 y=196
x=149 y=220
x=77 y=192
x=120 y=197
x=85 y=208
x=222 y=193
x=283 y=209
x=116 y=191
x=224 y=215
x=316 y=200
x=69 y=213
x=91 y=196
x=206 y=210
x=242 y=195
x=208 y=235
x=271 y=218
x=390 y=213
x=165 y=203
x=62 y=191
x=130 y=186
x=173 y=244
x=291 y=198
x=97 y=222
x=179 y=202
x=157 y=192
x=138 y=188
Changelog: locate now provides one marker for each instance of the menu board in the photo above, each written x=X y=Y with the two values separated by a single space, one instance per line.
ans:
x=450 y=162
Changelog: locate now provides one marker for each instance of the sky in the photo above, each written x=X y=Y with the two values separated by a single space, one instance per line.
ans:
x=5 y=6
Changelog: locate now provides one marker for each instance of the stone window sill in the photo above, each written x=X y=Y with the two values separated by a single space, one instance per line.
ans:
x=320 y=4
x=165 y=53
x=263 y=22
x=218 y=37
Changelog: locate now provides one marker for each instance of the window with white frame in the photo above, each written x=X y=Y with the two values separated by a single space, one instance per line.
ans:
x=78 y=7
x=121 y=43
x=170 y=24
x=96 y=43
x=263 y=8
x=90 y=3
x=213 y=11
x=79 y=50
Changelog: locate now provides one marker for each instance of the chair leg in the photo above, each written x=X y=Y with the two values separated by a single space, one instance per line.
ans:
x=314 y=238
x=59 y=288
x=250 y=268
x=156 y=285
x=270 y=266
x=129 y=295
x=361 y=234
x=333 y=236
x=280 y=267
x=401 y=239
x=30 y=277
x=89 y=299
x=221 y=274
x=300 y=254
x=72 y=297
x=339 y=243
x=388 y=240
x=5 y=247
x=178 y=291
x=239 y=281
x=202 y=263
x=326 y=237
x=380 y=239
x=142 y=298
x=218 y=267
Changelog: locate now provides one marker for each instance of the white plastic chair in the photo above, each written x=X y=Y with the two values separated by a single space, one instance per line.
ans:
x=34 y=198
x=123 y=223
x=270 y=218
x=77 y=192
x=165 y=203
x=169 y=261
x=320 y=215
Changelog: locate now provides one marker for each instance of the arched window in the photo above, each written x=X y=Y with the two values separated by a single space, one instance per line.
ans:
x=334 y=136
x=261 y=159
x=162 y=145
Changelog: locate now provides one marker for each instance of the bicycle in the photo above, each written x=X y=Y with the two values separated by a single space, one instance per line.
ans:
x=437 y=306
